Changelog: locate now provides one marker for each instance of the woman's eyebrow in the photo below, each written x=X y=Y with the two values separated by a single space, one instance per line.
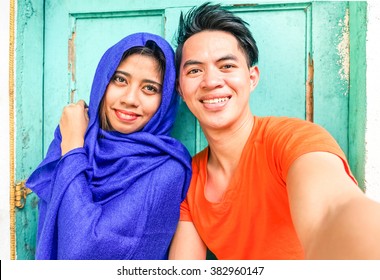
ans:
x=152 y=82
x=144 y=80
x=123 y=72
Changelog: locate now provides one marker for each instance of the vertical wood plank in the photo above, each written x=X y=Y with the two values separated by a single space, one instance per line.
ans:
x=357 y=97
x=29 y=110
x=331 y=79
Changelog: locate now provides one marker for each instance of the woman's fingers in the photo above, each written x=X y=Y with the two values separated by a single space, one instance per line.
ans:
x=73 y=125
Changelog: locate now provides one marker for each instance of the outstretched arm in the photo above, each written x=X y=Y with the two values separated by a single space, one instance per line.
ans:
x=332 y=216
x=187 y=244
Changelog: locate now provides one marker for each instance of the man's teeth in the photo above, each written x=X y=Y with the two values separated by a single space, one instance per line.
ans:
x=216 y=100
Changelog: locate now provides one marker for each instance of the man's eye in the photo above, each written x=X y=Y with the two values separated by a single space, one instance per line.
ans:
x=227 y=66
x=193 y=71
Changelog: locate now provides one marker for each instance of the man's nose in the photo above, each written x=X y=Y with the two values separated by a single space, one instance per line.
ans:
x=212 y=78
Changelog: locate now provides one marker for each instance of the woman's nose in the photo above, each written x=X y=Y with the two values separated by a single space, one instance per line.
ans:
x=130 y=97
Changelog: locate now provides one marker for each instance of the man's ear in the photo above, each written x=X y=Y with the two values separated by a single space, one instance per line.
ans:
x=254 y=75
x=179 y=89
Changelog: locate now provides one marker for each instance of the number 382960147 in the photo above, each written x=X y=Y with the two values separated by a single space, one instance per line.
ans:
x=230 y=270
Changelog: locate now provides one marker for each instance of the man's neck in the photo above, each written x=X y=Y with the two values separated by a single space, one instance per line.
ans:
x=226 y=146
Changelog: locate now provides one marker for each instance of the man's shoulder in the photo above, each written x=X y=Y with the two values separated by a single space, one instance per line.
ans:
x=280 y=120
x=281 y=130
x=281 y=124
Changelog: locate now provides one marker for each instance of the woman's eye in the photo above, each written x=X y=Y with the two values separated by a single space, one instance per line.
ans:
x=119 y=79
x=152 y=89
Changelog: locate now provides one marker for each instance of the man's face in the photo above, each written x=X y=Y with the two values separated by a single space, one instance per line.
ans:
x=215 y=81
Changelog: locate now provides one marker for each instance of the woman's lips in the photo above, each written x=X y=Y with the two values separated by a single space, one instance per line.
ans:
x=126 y=115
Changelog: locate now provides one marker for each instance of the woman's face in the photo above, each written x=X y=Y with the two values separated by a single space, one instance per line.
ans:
x=134 y=94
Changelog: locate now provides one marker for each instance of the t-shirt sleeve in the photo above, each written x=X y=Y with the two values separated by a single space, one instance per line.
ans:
x=192 y=199
x=294 y=138
x=185 y=211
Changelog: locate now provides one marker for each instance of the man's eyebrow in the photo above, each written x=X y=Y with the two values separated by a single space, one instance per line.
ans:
x=223 y=58
x=191 y=62
x=228 y=57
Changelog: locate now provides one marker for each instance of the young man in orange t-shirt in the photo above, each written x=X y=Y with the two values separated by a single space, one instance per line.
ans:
x=264 y=188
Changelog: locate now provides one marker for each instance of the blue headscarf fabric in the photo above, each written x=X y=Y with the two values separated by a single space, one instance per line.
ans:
x=118 y=197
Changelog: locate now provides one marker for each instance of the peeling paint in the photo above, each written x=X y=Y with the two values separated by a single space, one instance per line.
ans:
x=25 y=139
x=71 y=64
x=343 y=48
x=309 y=90
x=29 y=10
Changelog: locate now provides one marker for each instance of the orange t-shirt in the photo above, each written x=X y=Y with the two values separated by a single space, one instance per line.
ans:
x=252 y=221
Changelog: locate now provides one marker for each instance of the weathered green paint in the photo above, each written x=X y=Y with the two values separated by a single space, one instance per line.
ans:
x=29 y=110
x=357 y=98
x=26 y=228
x=286 y=34
x=281 y=35
x=331 y=92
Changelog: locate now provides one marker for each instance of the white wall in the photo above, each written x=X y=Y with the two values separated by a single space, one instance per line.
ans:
x=4 y=131
x=372 y=166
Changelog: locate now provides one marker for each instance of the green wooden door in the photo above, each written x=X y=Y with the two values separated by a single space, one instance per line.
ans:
x=60 y=43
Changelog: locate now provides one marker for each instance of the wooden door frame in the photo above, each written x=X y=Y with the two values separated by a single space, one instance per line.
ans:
x=7 y=24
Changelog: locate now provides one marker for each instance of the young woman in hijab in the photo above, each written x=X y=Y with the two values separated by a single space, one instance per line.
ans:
x=113 y=179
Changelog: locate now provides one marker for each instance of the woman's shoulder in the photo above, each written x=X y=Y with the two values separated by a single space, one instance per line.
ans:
x=171 y=166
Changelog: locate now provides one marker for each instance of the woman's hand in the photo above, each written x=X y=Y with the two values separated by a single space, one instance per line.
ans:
x=73 y=125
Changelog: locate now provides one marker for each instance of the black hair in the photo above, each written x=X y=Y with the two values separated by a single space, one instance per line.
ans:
x=151 y=49
x=214 y=17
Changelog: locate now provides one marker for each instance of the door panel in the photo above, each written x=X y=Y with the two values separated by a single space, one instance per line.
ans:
x=282 y=58
x=76 y=33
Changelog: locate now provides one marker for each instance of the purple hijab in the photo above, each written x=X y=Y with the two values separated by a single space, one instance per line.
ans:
x=118 y=197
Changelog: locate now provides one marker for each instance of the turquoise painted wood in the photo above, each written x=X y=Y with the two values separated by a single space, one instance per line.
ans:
x=29 y=115
x=283 y=51
x=357 y=92
x=331 y=63
x=56 y=66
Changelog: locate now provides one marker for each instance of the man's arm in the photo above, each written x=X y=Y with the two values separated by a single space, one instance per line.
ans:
x=187 y=244
x=332 y=216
